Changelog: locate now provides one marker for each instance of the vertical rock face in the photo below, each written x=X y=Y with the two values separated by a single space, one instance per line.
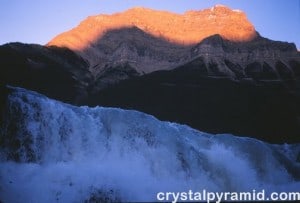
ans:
x=144 y=37
x=258 y=59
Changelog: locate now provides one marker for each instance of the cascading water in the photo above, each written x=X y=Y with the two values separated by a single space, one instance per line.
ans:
x=55 y=152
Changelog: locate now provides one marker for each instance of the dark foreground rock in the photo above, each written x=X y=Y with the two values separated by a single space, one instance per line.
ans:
x=56 y=72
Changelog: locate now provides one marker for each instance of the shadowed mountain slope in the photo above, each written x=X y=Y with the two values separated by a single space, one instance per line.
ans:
x=56 y=72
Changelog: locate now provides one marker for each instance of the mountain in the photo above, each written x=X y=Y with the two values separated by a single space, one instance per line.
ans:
x=140 y=41
x=209 y=69
x=150 y=40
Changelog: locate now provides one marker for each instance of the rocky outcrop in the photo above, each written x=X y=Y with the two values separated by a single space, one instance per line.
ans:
x=258 y=59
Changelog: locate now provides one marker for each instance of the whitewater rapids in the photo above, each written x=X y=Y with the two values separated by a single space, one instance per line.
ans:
x=55 y=152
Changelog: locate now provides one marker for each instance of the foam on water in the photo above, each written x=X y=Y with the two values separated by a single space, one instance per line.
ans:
x=55 y=152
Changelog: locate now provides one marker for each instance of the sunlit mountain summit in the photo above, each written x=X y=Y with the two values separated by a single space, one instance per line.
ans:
x=107 y=32
x=188 y=28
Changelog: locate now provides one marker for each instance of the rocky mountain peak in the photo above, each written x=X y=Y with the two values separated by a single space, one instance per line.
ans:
x=188 y=28
x=98 y=38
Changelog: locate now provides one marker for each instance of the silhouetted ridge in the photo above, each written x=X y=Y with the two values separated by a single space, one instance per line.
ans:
x=56 y=72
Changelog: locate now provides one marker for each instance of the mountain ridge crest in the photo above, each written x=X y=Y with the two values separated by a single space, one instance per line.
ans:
x=194 y=26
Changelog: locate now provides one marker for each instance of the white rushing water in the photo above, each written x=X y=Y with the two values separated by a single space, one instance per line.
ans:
x=55 y=152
